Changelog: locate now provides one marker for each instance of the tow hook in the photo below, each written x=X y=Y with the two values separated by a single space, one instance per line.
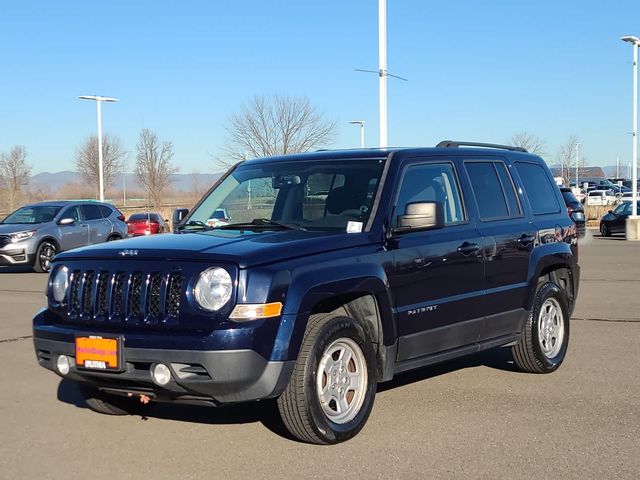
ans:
x=144 y=399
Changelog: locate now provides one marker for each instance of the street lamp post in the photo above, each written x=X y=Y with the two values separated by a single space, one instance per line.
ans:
x=382 y=66
x=99 y=99
x=577 y=165
x=633 y=222
x=361 y=123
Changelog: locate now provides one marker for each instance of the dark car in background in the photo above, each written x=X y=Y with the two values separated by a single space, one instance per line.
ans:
x=575 y=210
x=616 y=220
x=146 y=223
x=33 y=234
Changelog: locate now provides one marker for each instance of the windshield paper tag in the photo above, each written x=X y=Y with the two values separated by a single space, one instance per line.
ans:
x=354 y=227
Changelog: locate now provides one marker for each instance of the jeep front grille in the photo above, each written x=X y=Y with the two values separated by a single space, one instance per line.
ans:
x=4 y=240
x=138 y=298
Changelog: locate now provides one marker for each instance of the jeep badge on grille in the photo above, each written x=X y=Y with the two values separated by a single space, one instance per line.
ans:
x=128 y=253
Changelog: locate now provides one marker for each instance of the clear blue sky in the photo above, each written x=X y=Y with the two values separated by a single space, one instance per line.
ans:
x=479 y=70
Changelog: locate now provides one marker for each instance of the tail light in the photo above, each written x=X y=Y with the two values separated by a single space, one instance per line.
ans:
x=121 y=217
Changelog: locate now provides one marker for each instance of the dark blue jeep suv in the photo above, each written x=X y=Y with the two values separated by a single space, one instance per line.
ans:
x=336 y=271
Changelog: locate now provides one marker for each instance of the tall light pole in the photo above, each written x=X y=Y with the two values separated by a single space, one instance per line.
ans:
x=361 y=123
x=635 y=42
x=99 y=99
x=382 y=69
x=578 y=165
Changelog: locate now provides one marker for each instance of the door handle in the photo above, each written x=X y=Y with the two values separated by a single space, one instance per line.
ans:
x=468 y=248
x=525 y=239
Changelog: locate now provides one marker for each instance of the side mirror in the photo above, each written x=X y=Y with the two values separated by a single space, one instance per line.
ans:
x=610 y=211
x=421 y=216
x=66 y=221
x=179 y=214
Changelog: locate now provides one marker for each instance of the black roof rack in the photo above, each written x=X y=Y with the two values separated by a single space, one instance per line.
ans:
x=456 y=144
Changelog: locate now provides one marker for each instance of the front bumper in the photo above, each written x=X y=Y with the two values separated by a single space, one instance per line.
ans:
x=19 y=253
x=15 y=256
x=209 y=376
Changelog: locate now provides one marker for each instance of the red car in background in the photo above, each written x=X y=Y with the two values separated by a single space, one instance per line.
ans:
x=148 y=223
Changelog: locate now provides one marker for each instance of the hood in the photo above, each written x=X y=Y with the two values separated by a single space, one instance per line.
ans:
x=6 y=229
x=245 y=249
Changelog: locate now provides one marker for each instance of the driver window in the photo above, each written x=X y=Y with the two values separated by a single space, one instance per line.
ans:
x=71 y=212
x=432 y=183
x=621 y=209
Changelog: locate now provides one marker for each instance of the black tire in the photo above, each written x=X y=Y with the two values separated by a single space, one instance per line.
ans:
x=533 y=354
x=44 y=254
x=110 y=404
x=604 y=230
x=113 y=238
x=300 y=406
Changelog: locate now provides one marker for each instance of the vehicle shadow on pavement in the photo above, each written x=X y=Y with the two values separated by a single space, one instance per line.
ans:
x=17 y=269
x=612 y=238
x=497 y=358
x=265 y=412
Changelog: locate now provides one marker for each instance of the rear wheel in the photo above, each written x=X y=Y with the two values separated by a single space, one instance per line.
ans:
x=110 y=404
x=545 y=337
x=331 y=391
x=113 y=237
x=44 y=255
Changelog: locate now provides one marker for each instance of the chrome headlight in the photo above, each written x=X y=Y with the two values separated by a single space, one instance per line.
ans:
x=60 y=284
x=213 y=289
x=19 y=236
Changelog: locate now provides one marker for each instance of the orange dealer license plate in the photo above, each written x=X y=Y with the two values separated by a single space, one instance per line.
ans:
x=98 y=353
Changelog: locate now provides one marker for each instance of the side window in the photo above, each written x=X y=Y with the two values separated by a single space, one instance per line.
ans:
x=106 y=211
x=508 y=189
x=487 y=190
x=434 y=182
x=71 y=212
x=91 y=212
x=539 y=188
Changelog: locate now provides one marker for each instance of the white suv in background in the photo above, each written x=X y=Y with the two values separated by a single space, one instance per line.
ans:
x=601 y=197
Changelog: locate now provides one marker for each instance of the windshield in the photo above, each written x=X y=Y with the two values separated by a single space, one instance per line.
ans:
x=33 y=214
x=312 y=195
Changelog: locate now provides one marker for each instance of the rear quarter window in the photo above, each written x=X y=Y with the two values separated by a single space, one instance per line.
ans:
x=539 y=188
x=92 y=212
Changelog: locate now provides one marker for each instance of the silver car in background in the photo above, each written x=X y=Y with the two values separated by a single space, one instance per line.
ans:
x=33 y=234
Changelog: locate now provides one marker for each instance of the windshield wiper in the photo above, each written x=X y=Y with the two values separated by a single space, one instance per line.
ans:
x=194 y=225
x=260 y=223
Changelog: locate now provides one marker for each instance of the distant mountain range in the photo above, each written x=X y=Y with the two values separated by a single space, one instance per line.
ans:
x=182 y=182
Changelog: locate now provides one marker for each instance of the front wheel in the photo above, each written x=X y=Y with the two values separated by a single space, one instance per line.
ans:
x=44 y=255
x=604 y=230
x=332 y=388
x=545 y=337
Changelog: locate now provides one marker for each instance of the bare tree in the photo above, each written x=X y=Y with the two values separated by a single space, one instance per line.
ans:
x=14 y=174
x=87 y=160
x=529 y=141
x=153 y=165
x=275 y=125
x=566 y=160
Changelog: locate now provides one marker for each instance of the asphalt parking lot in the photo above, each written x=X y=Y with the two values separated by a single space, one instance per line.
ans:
x=473 y=418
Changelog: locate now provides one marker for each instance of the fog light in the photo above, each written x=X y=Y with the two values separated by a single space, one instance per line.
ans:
x=161 y=374
x=63 y=365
